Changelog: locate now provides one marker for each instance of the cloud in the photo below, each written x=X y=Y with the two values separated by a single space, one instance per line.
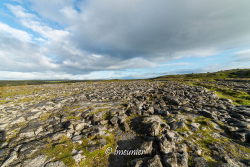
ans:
x=32 y=22
x=243 y=56
x=22 y=56
x=161 y=28
x=132 y=63
x=56 y=10
x=20 y=12
x=20 y=35
x=87 y=36
x=175 y=64
x=10 y=75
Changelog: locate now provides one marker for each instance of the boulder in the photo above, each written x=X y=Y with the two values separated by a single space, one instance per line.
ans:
x=78 y=157
x=36 y=162
x=154 y=162
x=200 y=162
x=208 y=114
x=194 y=126
x=55 y=164
x=147 y=146
x=177 y=125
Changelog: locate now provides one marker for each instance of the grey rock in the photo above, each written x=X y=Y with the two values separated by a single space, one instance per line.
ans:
x=104 y=122
x=154 y=129
x=176 y=125
x=166 y=146
x=137 y=162
x=78 y=137
x=154 y=162
x=187 y=109
x=172 y=100
x=163 y=113
x=147 y=146
x=36 y=162
x=4 y=153
x=114 y=121
x=194 y=126
x=55 y=164
x=170 y=160
x=172 y=136
x=156 y=110
x=151 y=110
x=182 y=156
x=78 y=157
x=12 y=158
x=121 y=119
x=152 y=125
x=200 y=162
x=80 y=126
x=208 y=114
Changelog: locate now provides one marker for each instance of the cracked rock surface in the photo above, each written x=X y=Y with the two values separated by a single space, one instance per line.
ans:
x=73 y=124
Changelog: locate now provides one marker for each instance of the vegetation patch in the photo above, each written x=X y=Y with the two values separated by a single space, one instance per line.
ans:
x=3 y=101
x=98 y=156
x=238 y=97
x=132 y=116
x=61 y=151
x=235 y=73
x=45 y=116
x=181 y=130
x=99 y=110
x=207 y=80
x=72 y=117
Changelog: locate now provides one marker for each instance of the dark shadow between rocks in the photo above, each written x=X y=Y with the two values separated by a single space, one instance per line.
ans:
x=138 y=126
x=2 y=136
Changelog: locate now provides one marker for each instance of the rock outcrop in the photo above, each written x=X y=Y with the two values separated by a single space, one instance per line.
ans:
x=176 y=125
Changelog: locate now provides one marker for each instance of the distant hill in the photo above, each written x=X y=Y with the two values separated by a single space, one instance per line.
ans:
x=35 y=82
x=226 y=74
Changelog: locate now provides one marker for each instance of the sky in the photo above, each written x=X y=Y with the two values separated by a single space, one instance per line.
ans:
x=118 y=39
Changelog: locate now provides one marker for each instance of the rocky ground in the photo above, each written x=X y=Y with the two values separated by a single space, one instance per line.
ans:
x=241 y=85
x=73 y=124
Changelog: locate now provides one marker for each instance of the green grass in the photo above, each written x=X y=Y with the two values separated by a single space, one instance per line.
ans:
x=3 y=101
x=14 y=91
x=181 y=130
x=238 y=97
x=72 y=117
x=204 y=138
x=35 y=82
x=61 y=151
x=207 y=80
x=45 y=116
x=132 y=116
x=107 y=116
x=97 y=157
x=234 y=73
x=99 y=110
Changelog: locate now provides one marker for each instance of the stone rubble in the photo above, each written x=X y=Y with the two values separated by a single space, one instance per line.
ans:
x=177 y=125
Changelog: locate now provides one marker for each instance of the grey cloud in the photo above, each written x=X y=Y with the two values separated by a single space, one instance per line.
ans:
x=161 y=28
x=242 y=56
x=118 y=34
x=22 y=56
x=25 y=56
x=151 y=29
